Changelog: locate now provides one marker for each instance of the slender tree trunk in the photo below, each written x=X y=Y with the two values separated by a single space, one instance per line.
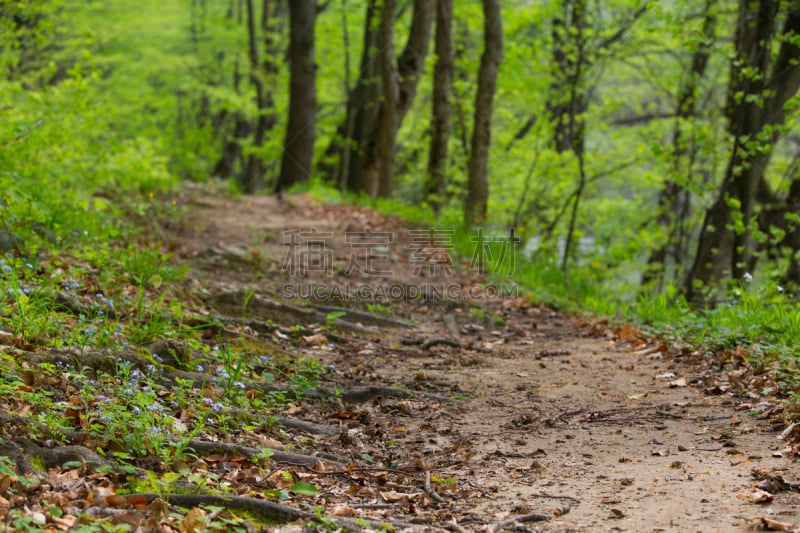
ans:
x=251 y=178
x=436 y=186
x=411 y=62
x=566 y=105
x=673 y=200
x=478 y=170
x=755 y=109
x=298 y=149
x=386 y=118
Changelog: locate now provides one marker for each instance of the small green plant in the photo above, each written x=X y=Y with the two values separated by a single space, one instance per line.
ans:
x=330 y=318
x=380 y=309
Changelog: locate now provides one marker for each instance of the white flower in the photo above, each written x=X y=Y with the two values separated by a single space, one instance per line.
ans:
x=780 y=289
x=748 y=277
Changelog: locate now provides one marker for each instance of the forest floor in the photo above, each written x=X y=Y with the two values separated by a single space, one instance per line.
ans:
x=479 y=414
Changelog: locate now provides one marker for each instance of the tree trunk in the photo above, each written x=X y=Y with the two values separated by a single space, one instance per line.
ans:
x=477 y=173
x=386 y=118
x=436 y=186
x=363 y=141
x=755 y=110
x=298 y=148
x=362 y=111
x=411 y=62
x=568 y=102
x=674 y=200
x=251 y=178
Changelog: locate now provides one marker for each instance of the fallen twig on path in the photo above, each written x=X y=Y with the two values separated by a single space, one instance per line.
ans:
x=451 y=325
x=429 y=490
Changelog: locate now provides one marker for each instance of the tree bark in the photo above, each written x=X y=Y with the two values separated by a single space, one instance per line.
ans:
x=436 y=185
x=411 y=62
x=298 y=148
x=477 y=172
x=251 y=177
x=568 y=103
x=755 y=109
x=386 y=118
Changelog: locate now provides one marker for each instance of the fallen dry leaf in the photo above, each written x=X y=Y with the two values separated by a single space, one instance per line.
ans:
x=773 y=525
x=759 y=496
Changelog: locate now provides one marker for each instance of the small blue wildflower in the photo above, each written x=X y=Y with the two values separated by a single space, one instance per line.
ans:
x=150 y=368
x=99 y=295
x=28 y=265
x=332 y=366
x=217 y=407
x=224 y=374
x=135 y=374
x=26 y=291
x=153 y=407
x=158 y=358
x=239 y=384
x=136 y=409
x=331 y=346
x=199 y=368
x=7 y=268
x=208 y=401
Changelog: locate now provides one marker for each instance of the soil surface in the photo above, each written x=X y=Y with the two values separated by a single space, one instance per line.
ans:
x=519 y=412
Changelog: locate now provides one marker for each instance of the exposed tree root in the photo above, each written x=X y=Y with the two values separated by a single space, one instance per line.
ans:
x=263 y=509
x=279 y=456
x=309 y=427
x=239 y=302
x=430 y=343
x=364 y=317
x=29 y=457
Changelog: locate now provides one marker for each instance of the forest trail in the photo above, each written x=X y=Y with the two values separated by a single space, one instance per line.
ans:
x=520 y=411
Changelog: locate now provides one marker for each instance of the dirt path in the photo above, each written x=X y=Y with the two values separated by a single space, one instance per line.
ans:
x=590 y=427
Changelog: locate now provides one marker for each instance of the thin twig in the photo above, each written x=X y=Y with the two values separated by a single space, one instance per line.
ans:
x=429 y=490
